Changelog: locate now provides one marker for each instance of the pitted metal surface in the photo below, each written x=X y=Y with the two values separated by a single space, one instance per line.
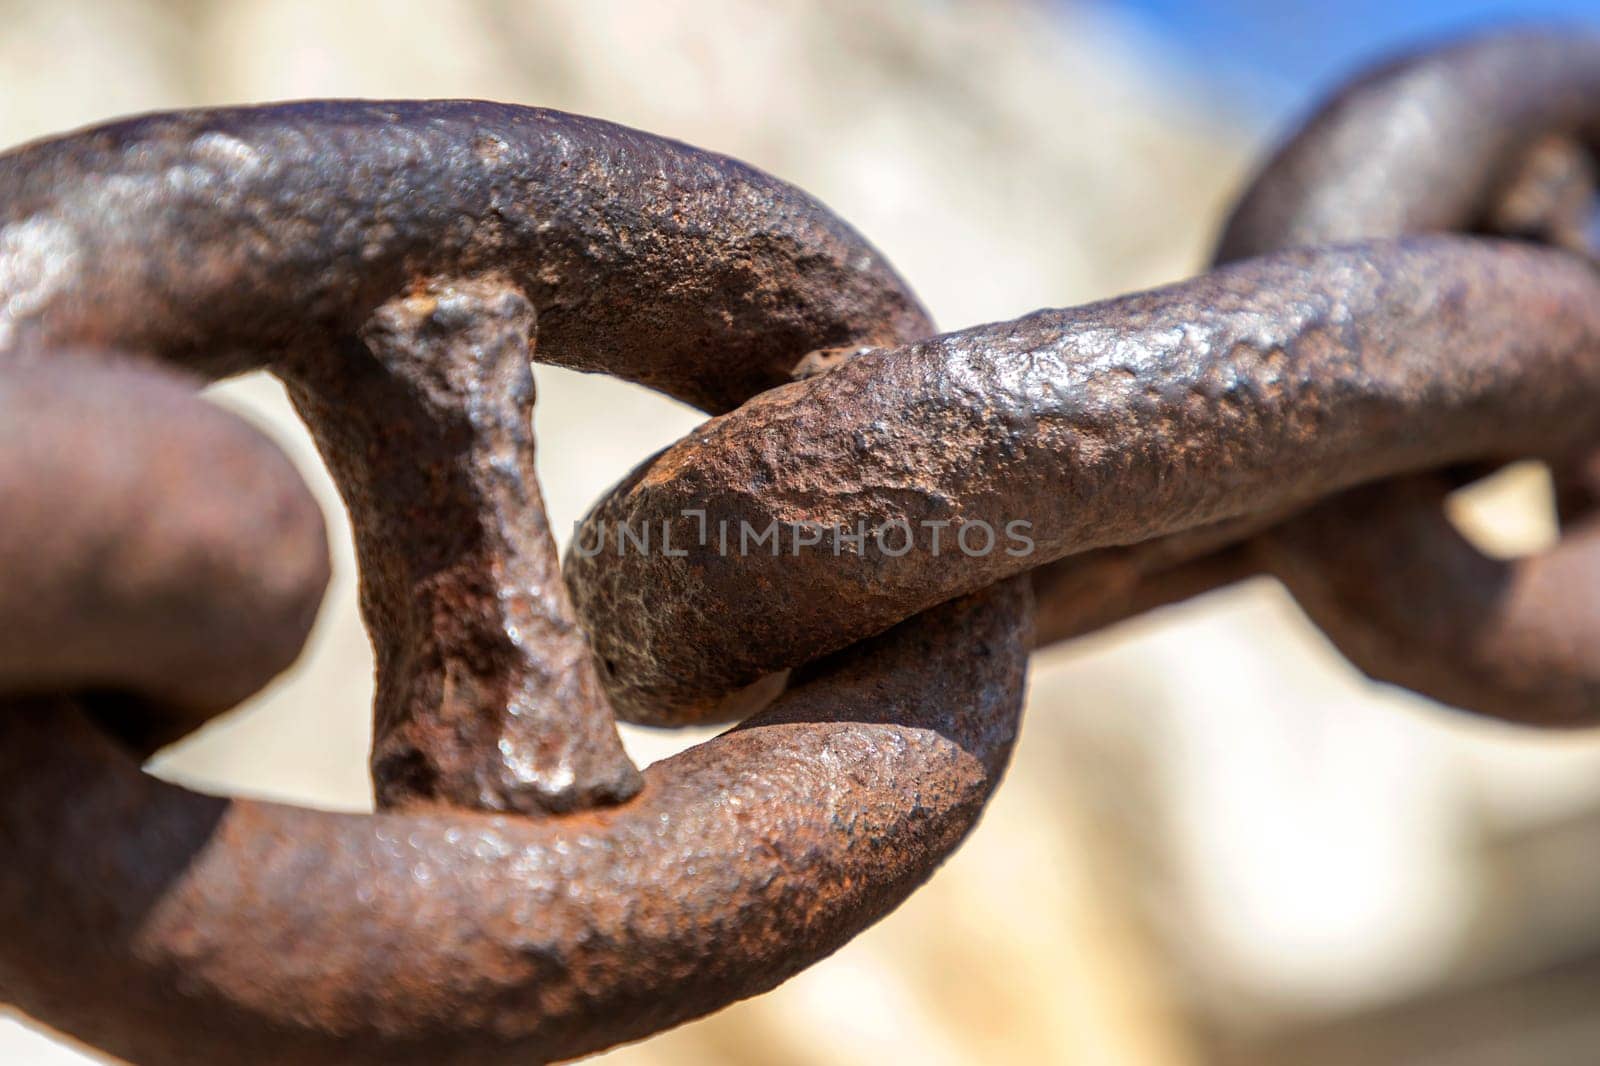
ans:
x=1249 y=391
x=217 y=930
x=1506 y=149
x=396 y=264
x=525 y=893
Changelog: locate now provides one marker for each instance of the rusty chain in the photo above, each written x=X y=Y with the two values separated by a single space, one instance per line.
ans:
x=525 y=893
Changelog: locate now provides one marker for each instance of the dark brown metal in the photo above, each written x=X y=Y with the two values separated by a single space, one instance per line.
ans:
x=1242 y=394
x=1476 y=136
x=1492 y=135
x=131 y=565
x=214 y=931
x=1432 y=142
x=393 y=262
x=1485 y=135
x=1412 y=602
x=525 y=893
x=398 y=265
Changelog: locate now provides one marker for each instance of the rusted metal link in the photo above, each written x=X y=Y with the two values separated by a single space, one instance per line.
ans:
x=216 y=931
x=1249 y=391
x=1454 y=138
x=395 y=264
x=1492 y=135
x=1413 y=602
x=193 y=602
x=1484 y=135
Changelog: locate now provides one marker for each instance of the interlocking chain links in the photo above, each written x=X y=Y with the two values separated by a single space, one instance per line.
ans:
x=1489 y=136
x=1382 y=571
x=1190 y=410
x=1479 y=136
x=389 y=262
x=173 y=928
x=394 y=263
x=397 y=265
x=1250 y=390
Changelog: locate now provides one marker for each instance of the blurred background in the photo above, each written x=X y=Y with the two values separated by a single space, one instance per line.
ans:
x=1218 y=843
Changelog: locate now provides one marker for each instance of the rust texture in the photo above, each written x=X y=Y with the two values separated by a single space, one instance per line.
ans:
x=398 y=265
x=524 y=893
x=1504 y=149
x=1489 y=135
x=395 y=263
x=191 y=605
x=217 y=931
x=1251 y=390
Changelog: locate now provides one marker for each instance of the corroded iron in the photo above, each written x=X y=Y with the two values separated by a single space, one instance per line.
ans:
x=214 y=930
x=1489 y=136
x=1492 y=135
x=1247 y=392
x=525 y=893
x=397 y=265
